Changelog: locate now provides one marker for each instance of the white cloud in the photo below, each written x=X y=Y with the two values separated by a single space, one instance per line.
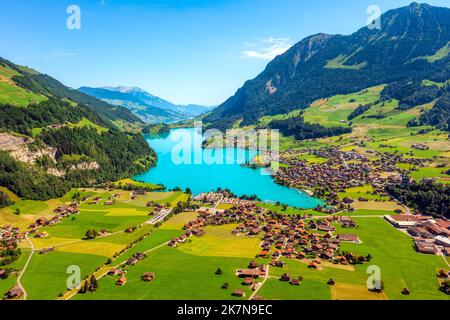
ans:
x=267 y=48
x=59 y=54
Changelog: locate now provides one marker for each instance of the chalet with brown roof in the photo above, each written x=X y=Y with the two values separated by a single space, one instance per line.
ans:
x=353 y=238
x=248 y=273
x=172 y=243
x=122 y=281
x=135 y=258
x=425 y=247
x=198 y=232
x=326 y=227
x=328 y=255
x=239 y=293
x=434 y=229
x=140 y=192
x=419 y=232
x=402 y=221
x=148 y=276
x=264 y=254
x=285 y=277
x=41 y=234
x=14 y=293
x=47 y=250
x=444 y=224
x=248 y=282
x=116 y=272
x=314 y=265
x=295 y=282
x=41 y=221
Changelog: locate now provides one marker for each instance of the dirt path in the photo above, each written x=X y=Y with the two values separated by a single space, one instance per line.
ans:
x=19 y=282
x=104 y=271
x=262 y=283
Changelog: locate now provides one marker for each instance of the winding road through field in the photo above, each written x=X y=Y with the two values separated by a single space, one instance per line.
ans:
x=19 y=283
x=104 y=270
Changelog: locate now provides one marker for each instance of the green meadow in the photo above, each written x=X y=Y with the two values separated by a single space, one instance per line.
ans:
x=46 y=276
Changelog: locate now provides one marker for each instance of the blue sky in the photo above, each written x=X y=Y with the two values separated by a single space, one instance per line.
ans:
x=186 y=51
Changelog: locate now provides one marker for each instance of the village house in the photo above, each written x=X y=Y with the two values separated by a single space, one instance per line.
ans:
x=3 y=274
x=353 y=238
x=295 y=282
x=140 y=192
x=14 y=293
x=122 y=281
x=135 y=258
x=285 y=277
x=442 y=241
x=248 y=273
x=419 y=232
x=248 y=282
x=403 y=221
x=239 y=293
x=47 y=250
x=116 y=272
x=148 y=276
x=425 y=247
x=43 y=234
x=198 y=232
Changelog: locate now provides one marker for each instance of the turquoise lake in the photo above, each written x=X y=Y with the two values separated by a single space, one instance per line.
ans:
x=182 y=162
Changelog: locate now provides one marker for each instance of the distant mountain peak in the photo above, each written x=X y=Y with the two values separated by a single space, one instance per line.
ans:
x=125 y=89
x=148 y=107
x=412 y=42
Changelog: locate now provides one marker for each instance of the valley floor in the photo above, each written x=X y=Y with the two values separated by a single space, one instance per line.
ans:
x=188 y=271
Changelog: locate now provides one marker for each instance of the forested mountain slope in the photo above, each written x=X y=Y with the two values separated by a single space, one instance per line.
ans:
x=53 y=138
x=413 y=43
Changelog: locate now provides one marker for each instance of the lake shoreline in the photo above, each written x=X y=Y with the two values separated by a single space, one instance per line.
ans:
x=203 y=177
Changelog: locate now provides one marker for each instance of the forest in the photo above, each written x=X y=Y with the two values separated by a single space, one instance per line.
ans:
x=301 y=130
x=427 y=197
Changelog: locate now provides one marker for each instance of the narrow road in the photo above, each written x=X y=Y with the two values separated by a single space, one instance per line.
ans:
x=19 y=283
x=104 y=270
x=262 y=283
x=445 y=259
x=160 y=217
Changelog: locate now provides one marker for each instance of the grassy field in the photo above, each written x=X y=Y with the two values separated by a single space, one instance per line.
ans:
x=12 y=94
x=335 y=110
x=89 y=255
x=361 y=192
x=290 y=210
x=219 y=242
x=170 y=264
x=401 y=267
x=145 y=185
x=46 y=276
x=87 y=123
x=338 y=63
x=6 y=284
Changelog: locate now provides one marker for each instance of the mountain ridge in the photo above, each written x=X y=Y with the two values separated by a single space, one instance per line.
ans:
x=53 y=138
x=148 y=107
x=323 y=65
